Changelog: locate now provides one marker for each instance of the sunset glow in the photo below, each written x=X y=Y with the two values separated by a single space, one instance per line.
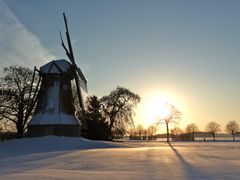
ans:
x=156 y=109
x=140 y=89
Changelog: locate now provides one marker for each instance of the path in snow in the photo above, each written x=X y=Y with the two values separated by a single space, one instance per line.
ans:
x=75 y=158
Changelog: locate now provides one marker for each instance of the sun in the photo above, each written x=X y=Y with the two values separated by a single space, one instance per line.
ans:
x=155 y=109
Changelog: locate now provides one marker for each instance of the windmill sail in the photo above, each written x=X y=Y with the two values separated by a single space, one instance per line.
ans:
x=81 y=78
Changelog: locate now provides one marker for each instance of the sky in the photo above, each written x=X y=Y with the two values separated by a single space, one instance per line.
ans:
x=186 y=52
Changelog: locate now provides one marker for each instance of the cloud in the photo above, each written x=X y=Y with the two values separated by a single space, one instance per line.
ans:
x=18 y=46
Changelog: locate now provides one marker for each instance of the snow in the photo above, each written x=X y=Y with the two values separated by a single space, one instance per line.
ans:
x=53 y=157
x=63 y=64
x=59 y=118
x=47 y=144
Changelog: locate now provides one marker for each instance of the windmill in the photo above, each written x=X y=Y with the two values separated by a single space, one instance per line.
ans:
x=55 y=113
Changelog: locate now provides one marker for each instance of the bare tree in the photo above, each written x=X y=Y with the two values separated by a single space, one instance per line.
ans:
x=192 y=128
x=232 y=127
x=176 y=131
x=174 y=116
x=145 y=135
x=132 y=133
x=151 y=131
x=140 y=130
x=213 y=127
x=16 y=98
x=118 y=107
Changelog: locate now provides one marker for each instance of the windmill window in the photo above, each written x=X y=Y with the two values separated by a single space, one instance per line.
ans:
x=65 y=87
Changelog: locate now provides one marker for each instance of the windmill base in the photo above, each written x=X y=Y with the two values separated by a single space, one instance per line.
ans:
x=53 y=129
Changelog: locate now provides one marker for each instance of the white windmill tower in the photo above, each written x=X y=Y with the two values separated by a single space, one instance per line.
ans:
x=55 y=113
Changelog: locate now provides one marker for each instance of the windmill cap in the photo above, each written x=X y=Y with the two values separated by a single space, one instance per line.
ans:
x=60 y=67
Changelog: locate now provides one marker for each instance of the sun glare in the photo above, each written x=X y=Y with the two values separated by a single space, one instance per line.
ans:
x=156 y=109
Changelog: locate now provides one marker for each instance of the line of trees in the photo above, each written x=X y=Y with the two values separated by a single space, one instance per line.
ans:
x=175 y=116
x=189 y=133
x=232 y=127
x=141 y=133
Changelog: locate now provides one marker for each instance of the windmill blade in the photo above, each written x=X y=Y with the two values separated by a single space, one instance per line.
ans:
x=64 y=46
x=82 y=79
x=70 y=52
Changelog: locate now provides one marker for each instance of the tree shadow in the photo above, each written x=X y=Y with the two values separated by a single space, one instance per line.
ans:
x=21 y=155
x=190 y=171
x=48 y=144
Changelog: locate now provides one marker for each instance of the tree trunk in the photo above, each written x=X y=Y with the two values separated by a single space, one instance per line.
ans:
x=233 y=135
x=20 y=122
x=110 y=135
x=111 y=124
x=19 y=131
x=213 y=136
x=20 y=126
x=167 y=133
x=193 y=136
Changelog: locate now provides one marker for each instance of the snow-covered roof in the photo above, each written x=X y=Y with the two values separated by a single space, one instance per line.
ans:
x=61 y=66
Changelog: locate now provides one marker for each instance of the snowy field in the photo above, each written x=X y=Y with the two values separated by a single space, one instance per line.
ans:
x=75 y=158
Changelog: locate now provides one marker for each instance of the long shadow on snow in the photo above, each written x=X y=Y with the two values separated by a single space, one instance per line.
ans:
x=28 y=146
x=19 y=155
x=190 y=171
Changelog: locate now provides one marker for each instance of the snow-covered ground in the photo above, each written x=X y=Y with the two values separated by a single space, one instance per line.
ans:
x=75 y=158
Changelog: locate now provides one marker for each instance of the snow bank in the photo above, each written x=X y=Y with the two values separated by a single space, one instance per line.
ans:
x=46 y=144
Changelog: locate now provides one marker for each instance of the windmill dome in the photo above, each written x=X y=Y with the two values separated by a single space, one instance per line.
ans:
x=57 y=67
